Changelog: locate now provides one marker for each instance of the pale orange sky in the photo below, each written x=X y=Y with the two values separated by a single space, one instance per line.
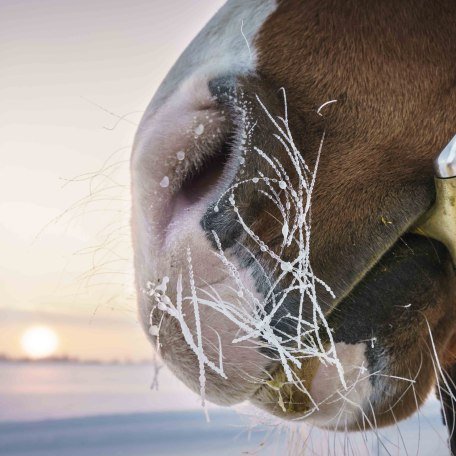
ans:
x=68 y=68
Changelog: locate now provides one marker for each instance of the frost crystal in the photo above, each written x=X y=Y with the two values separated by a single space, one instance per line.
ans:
x=164 y=182
x=199 y=130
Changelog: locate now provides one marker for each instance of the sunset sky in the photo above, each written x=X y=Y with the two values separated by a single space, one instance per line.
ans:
x=75 y=78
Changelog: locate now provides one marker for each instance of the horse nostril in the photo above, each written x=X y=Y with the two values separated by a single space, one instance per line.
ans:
x=202 y=179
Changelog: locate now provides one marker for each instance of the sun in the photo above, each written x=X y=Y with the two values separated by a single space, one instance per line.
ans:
x=39 y=342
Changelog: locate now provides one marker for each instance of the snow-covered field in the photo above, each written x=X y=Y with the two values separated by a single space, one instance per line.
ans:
x=82 y=410
x=137 y=434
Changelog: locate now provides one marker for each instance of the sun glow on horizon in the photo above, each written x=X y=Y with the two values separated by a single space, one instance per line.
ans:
x=39 y=342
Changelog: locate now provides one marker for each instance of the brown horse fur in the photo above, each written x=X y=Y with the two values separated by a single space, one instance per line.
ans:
x=392 y=67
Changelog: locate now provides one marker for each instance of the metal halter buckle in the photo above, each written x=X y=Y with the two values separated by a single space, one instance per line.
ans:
x=440 y=221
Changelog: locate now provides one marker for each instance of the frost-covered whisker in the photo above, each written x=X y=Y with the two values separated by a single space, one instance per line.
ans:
x=258 y=319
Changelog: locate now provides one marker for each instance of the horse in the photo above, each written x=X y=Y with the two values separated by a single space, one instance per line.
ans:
x=280 y=176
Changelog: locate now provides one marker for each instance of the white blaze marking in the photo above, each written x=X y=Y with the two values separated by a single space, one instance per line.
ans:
x=339 y=406
x=220 y=48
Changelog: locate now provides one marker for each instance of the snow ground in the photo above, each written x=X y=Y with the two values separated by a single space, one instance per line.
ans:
x=80 y=410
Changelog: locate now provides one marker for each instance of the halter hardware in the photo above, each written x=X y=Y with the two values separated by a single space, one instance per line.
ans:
x=440 y=221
